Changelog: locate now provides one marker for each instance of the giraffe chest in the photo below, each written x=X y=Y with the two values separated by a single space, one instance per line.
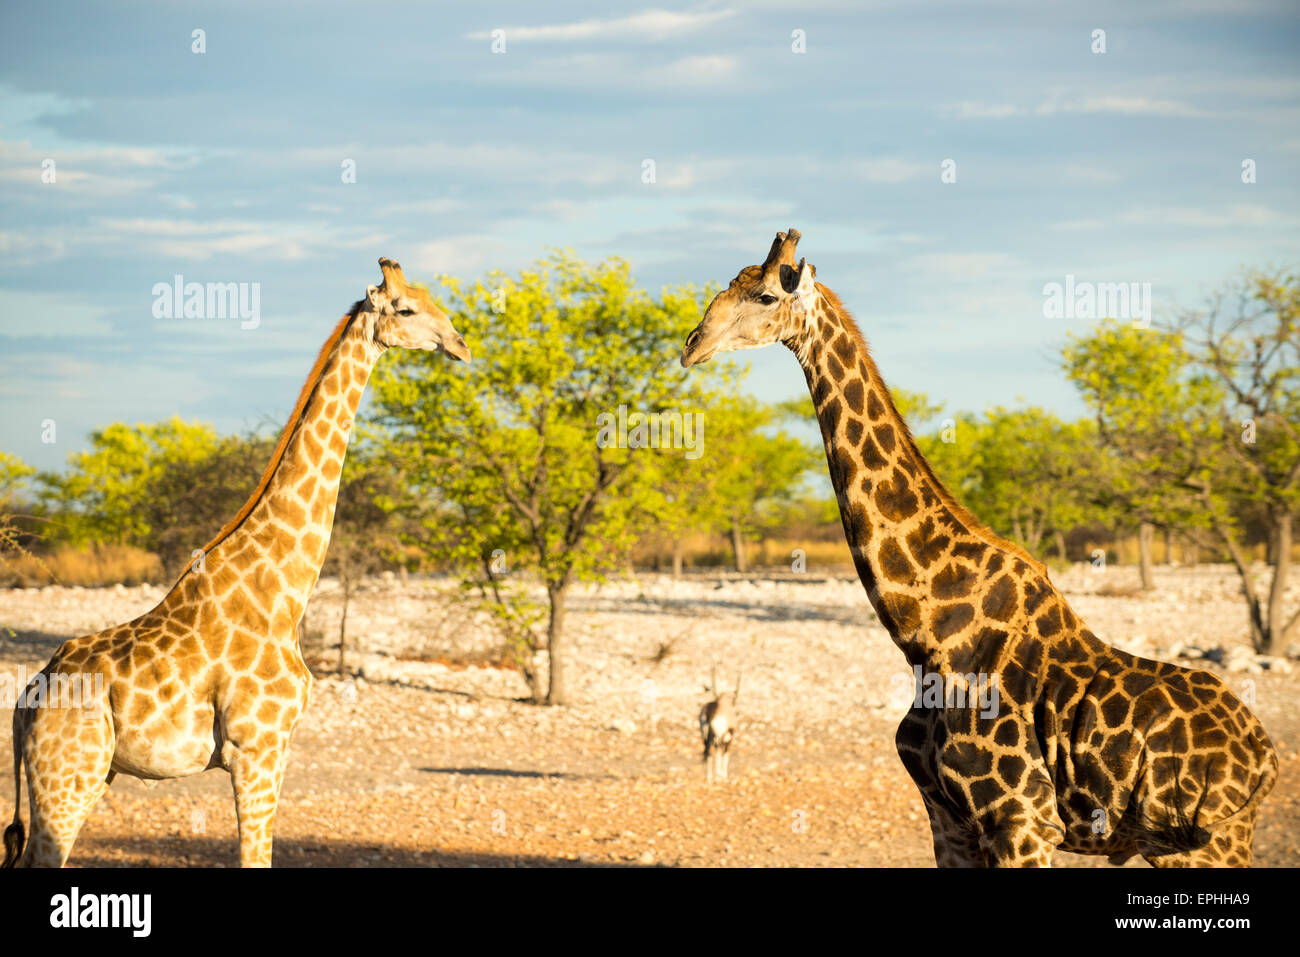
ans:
x=173 y=742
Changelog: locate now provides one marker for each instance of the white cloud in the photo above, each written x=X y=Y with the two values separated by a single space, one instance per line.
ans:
x=1126 y=106
x=98 y=171
x=22 y=151
x=696 y=70
x=434 y=207
x=568 y=210
x=648 y=25
x=501 y=161
x=1230 y=8
x=1113 y=104
x=1077 y=172
x=20 y=249
x=963 y=266
x=888 y=170
x=25 y=314
x=973 y=110
x=1238 y=214
x=458 y=255
x=581 y=71
x=683 y=174
x=194 y=240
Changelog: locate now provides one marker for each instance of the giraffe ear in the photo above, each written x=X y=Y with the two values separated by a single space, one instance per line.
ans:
x=372 y=296
x=796 y=278
x=798 y=282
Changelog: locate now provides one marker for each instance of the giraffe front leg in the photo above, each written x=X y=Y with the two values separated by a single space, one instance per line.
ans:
x=1018 y=834
x=956 y=844
x=256 y=774
x=1019 y=846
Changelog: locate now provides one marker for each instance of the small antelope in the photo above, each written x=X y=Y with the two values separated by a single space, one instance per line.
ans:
x=718 y=727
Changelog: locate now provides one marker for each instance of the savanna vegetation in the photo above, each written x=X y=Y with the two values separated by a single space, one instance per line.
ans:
x=574 y=447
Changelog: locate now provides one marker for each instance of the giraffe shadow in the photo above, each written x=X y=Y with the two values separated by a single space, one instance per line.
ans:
x=290 y=853
x=510 y=773
x=755 y=609
x=20 y=642
x=455 y=692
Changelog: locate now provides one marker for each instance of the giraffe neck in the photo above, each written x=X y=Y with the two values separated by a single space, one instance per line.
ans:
x=915 y=549
x=261 y=569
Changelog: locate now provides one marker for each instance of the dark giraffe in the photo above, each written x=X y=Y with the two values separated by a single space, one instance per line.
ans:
x=1090 y=749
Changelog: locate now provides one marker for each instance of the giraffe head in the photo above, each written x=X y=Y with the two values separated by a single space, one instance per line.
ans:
x=764 y=304
x=405 y=316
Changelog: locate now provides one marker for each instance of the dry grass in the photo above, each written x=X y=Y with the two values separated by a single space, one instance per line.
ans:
x=1119 y=591
x=775 y=551
x=714 y=551
x=92 y=566
x=459 y=659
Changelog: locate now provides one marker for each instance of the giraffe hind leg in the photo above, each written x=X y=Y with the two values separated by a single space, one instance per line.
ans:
x=74 y=773
x=1229 y=846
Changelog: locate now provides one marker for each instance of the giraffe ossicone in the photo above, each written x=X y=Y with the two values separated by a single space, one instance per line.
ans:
x=213 y=676
x=1089 y=749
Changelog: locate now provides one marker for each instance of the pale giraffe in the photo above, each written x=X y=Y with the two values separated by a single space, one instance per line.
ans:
x=1088 y=748
x=213 y=676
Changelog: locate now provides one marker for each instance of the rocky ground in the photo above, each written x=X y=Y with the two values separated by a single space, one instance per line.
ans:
x=420 y=760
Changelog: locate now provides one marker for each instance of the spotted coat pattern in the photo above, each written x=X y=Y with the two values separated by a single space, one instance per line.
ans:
x=1090 y=749
x=213 y=677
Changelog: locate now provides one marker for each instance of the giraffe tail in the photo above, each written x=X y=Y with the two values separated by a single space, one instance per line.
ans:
x=1267 y=778
x=1183 y=832
x=15 y=836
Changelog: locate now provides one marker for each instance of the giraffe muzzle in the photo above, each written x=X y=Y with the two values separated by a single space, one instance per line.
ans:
x=692 y=354
x=456 y=349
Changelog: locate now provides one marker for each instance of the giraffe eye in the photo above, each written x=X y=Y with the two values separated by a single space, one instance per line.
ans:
x=406 y=312
x=767 y=299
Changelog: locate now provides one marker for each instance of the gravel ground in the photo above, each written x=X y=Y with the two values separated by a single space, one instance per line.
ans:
x=416 y=762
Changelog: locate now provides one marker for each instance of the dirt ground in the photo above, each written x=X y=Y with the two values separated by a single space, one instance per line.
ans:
x=416 y=763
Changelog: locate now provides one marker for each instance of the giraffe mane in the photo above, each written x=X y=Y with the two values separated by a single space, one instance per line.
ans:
x=959 y=511
x=304 y=397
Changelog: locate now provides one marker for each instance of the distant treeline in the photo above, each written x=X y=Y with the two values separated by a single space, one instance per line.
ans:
x=1191 y=445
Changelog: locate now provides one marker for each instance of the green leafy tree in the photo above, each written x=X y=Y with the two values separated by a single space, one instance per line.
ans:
x=1156 y=413
x=747 y=469
x=760 y=469
x=103 y=496
x=514 y=446
x=1024 y=472
x=1246 y=344
x=14 y=474
x=367 y=529
x=1029 y=474
x=682 y=495
x=187 y=498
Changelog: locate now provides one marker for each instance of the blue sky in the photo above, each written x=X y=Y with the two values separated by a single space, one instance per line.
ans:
x=225 y=167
